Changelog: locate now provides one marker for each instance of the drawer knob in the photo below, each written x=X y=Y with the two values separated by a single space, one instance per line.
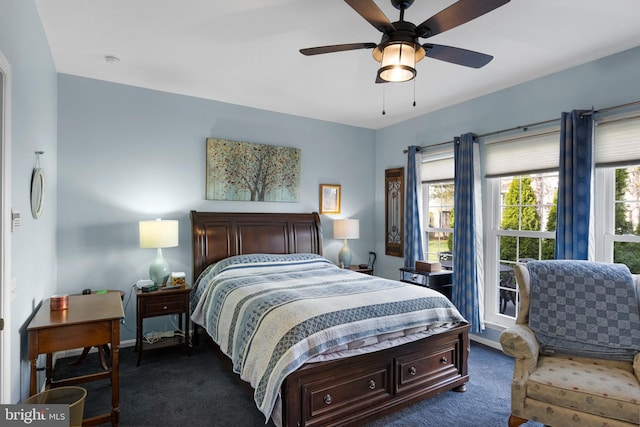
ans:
x=413 y=370
x=443 y=360
x=372 y=384
x=327 y=399
x=164 y=308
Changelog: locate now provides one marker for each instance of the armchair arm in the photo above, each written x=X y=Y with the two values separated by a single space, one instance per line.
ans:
x=520 y=343
x=636 y=366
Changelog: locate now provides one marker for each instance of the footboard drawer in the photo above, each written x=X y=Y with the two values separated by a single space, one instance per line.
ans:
x=428 y=369
x=350 y=392
x=328 y=398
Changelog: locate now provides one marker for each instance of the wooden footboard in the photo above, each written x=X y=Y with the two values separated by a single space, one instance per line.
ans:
x=358 y=389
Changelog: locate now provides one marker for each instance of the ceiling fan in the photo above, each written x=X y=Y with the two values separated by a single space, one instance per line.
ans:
x=400 y=48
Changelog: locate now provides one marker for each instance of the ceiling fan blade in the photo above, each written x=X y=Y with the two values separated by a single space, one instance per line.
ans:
x=457 y=14
x=455 y=55
x=336 y=48
x=372 y=13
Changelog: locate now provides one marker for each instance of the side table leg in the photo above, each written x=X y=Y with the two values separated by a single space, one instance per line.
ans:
x=33 y=361
x=83 y=356
x=49 y=368
x=115 y=373
x=103 y=361
x=33 y=384
x=138 y=346
x=187 y=338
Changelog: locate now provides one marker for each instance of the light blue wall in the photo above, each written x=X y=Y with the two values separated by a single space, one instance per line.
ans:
x=128 y=154
x=608 y=82
x=34 y=127
x=118 y=154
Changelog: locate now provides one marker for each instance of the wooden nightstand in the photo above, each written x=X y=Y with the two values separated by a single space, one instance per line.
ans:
x=437 y=280
x=365 y=270
x=161 y=303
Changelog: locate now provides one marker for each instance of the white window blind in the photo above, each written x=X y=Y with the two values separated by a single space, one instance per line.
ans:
x=617 y=141
x=437 y=163
x=521 y=154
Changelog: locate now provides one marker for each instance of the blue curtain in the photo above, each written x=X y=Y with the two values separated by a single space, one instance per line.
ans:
x=413 y=209
x=467 y=256
x=575 y=185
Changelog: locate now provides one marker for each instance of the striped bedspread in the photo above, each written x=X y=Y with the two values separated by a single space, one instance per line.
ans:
x=272 y=313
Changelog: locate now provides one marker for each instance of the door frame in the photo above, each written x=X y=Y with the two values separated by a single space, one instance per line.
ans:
x=6 y=290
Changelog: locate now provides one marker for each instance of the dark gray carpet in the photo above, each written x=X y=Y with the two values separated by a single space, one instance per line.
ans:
x=171 y=389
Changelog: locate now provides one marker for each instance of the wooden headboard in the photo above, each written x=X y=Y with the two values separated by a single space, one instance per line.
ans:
x=218 y=235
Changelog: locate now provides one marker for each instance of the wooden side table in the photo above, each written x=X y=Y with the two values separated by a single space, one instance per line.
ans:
x=365 y=270
x=90 y=320
x=161 y=303
x=440 y=281
x=103 y=350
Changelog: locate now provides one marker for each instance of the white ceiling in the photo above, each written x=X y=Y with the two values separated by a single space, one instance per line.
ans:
x=246 y=52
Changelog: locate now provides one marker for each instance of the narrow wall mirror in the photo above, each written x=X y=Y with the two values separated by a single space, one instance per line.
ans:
x=37 y=192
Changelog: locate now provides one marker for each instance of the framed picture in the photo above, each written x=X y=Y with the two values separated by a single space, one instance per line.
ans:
x=329 y=198
x=248 y=171
x=394 y=211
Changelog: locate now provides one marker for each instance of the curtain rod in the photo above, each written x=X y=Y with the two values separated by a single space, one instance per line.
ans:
x=526 y=127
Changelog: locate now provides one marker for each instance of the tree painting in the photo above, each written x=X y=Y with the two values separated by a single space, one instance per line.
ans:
x=248 y=171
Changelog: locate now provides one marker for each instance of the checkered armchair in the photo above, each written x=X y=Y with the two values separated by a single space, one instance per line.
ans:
x=576 y=344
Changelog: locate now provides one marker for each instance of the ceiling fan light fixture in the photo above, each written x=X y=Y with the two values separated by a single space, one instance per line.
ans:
x=398 y=62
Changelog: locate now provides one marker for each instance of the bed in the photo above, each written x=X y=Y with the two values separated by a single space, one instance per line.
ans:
x=329 y=388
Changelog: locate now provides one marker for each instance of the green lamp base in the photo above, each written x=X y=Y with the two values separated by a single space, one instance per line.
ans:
x=344 y=256
x=159 y=269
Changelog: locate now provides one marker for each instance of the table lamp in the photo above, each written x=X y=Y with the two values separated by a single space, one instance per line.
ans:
x=159 y=234
x=345 y=229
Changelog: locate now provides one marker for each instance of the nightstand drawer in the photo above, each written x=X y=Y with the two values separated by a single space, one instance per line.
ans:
x=416 y=279
x=164 y=307
x=437 y=280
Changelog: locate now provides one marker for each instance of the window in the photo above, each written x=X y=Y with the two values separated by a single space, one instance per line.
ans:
x=522 y=194
x=525 y=232
x=437 y=197
x=617 y=192
x=522 y=185
x=626 y=226
x=617 y=203
x=438 y=218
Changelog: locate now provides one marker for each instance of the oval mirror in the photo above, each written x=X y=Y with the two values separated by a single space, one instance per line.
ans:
x=37 y=192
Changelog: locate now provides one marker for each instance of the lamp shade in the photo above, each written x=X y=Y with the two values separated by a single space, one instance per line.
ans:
x=158 y=233
x=346 y=229
x=398 y=63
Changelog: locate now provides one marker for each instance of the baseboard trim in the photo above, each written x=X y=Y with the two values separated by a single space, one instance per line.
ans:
x=484 y=341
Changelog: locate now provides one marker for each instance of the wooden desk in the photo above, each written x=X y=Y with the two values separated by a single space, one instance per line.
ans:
x=90 y=320
x=103 y=350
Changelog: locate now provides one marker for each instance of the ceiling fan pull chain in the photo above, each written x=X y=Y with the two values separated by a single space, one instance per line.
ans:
x=414 y=92
x=383 y=98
